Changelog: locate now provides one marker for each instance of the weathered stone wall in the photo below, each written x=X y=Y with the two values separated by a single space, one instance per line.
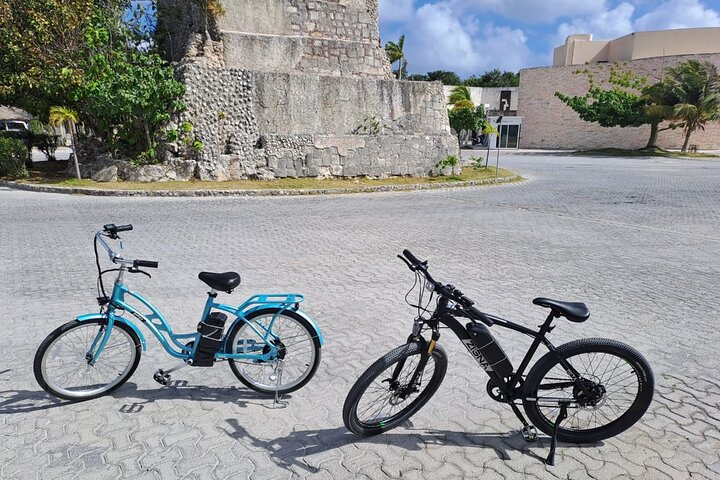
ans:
x=324 y=37
x=301 y=88
x=312 y=55
x=265 y=124
x=549 y=123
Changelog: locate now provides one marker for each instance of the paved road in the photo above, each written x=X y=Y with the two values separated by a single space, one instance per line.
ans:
x=636 y=239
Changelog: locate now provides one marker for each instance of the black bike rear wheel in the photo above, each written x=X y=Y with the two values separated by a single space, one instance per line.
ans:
x=616 y=389
x=376 y=403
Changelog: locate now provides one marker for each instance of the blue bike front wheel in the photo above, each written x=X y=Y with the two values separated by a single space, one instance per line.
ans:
x=294 y=338
x=63 y=363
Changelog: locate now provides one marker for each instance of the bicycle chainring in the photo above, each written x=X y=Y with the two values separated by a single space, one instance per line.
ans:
x=495 y=392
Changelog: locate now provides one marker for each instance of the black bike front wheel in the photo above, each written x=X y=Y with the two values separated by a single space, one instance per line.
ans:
x=386 y=394
x=614 y=390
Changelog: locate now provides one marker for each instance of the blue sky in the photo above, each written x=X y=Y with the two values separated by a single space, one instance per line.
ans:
x=473 y=36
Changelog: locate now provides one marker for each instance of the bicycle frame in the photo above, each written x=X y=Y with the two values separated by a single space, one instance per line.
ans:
x=443 y=314
x=173 y=343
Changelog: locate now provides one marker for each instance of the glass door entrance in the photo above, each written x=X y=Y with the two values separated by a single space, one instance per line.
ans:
x=509 y=135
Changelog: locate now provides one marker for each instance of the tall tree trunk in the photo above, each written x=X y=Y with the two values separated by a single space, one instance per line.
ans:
x=652 y=142
x=147 y=135
x=687 y=140
x=72 y=147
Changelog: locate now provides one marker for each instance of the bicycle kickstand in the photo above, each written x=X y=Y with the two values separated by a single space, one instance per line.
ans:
x=163 y=376
x=553 y=443
x=278 y=382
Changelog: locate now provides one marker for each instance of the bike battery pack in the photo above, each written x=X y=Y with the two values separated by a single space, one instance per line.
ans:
x=211 y=335
x=491 y=351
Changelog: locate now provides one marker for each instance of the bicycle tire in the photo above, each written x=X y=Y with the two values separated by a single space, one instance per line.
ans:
x=114 y=367
x=309 y=363
x=389 y=361
x=626 y=379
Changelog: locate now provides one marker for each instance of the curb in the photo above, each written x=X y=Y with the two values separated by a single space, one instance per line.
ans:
x=252 y=192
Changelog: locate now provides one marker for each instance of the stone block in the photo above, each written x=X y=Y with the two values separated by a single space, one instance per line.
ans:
x=107 y=174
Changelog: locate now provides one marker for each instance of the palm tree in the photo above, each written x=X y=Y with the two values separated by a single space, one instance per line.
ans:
x=659 y=108
x=696 y=86
x=68 y=117
x=395 y=53
x=460 y=98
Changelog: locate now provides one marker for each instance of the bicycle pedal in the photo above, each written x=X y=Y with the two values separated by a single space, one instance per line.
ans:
x=529 y=433
x=161 y=377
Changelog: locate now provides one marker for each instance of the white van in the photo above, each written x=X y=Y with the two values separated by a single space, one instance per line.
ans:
x=13 y=126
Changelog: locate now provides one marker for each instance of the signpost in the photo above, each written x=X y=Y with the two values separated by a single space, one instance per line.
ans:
x=497 y=161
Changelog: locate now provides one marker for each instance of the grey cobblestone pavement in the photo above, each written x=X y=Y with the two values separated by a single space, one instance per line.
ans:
x=636 y=239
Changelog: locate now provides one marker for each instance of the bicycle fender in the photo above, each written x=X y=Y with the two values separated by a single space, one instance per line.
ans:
x=100 y=316
x=312 y=323
x=284 y=306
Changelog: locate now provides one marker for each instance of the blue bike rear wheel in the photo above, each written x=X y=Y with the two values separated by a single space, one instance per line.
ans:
x=297 y=343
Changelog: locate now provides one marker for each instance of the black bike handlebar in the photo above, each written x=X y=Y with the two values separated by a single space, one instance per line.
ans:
x=145 y=263
x=413 y=259
x=447 y=290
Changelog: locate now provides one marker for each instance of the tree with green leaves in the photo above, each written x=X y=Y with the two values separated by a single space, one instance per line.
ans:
x=446 y=77
x=625 y=100
x=417 y=77
x=460 y=98
x=43 y=54
x=466 y=119
x=67 y=117
x=395 y=53
x=494 y=78
x=86 y=55
x=696 y=88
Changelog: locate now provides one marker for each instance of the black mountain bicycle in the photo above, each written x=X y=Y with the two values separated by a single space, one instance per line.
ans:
x=596 y=388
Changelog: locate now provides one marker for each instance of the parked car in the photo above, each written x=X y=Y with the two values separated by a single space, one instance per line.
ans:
x=13 y=126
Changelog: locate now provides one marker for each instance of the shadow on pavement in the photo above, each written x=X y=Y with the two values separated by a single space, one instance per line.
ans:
x=293 y=449
x=25 y=401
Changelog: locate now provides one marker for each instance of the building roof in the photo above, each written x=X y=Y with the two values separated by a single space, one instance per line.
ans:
x=12 y=113
x=581 y=48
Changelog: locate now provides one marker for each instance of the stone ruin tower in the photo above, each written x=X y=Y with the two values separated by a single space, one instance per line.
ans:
x=300 y=88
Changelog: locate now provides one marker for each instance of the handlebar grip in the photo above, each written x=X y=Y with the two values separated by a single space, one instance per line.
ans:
x=123 y=228
x=145 y=263
x=478 y=315
x=413 y=259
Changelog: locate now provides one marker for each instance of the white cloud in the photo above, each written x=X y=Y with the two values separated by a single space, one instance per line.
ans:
x=678 y=14
x=396 y=10
x=538 y=11
x=443 y=38
x=605 y=25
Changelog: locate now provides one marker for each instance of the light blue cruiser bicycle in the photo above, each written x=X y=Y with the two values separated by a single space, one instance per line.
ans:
x=272 y=346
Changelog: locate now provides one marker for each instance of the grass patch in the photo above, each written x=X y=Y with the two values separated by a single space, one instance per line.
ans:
x=642 y=152
x=53 y=173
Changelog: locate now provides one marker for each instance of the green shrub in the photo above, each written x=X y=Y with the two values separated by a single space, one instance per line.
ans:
x=13 y=154
x=477 y=162
x=451 y=161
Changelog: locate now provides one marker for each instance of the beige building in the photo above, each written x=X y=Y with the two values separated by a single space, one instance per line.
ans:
x=582 y=49
x=549 y=123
